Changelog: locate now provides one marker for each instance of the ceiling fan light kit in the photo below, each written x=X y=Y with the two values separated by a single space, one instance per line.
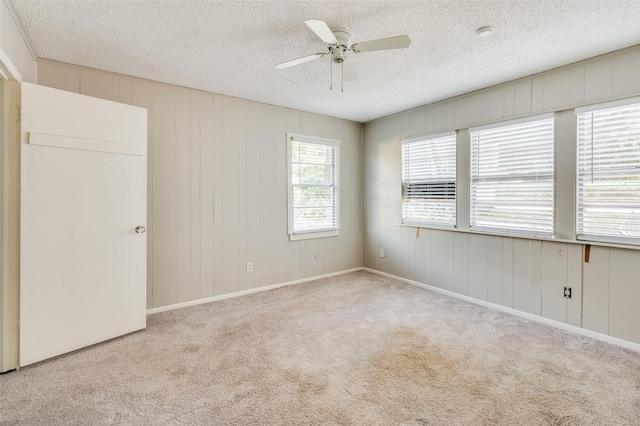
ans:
x=338 y=43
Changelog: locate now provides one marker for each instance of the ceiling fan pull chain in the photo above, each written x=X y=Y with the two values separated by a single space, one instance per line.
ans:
x=330 y=74
x=342 y=77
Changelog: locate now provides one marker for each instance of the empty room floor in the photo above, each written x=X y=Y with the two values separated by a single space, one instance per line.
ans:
x=355 y=349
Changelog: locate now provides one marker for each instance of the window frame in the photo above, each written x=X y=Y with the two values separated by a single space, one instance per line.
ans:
x=313 y=233
x=504 y=231
x=593 y=238
x=425 y=138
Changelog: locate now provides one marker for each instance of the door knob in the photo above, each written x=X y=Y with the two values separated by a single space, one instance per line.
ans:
x=140 y=229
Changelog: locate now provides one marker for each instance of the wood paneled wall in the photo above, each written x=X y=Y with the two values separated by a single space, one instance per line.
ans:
x=523 y=274
x=217 y=187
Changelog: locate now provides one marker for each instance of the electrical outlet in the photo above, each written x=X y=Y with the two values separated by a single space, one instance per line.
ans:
x=249 y=267
x=383 y=253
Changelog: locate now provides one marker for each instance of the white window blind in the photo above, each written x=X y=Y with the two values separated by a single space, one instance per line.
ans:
x=609 y=174
x=512 y=177
x=313 y=188
x=429 y=180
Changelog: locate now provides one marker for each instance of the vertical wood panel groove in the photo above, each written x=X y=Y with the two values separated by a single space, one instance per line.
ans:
x=595 y=290
x=195 y=279
x=175 y=196
x=182 y=158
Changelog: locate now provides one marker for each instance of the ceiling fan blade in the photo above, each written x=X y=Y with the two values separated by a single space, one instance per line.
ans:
x=349 y=72
x=398 y=42
x=322 y=30
x=299 y=61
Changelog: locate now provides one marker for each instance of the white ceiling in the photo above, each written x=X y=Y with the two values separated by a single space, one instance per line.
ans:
x=231 y=47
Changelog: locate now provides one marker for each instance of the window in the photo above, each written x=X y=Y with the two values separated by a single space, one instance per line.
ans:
x=608 y=204
x=429 y=180
x=512 y=177
x=313 y=186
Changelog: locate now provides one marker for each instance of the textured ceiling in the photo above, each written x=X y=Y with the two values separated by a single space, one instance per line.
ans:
x=231 y=47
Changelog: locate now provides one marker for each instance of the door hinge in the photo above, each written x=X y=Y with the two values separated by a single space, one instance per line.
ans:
x=17 y=113
x=17 y=323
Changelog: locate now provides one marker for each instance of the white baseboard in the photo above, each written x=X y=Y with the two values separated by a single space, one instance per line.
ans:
x=598 y=336
x=244 y=292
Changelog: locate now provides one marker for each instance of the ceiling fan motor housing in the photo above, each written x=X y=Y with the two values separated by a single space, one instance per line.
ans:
x=337 y=53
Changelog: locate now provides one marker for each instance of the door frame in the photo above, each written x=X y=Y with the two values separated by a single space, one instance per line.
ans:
x=9 y=213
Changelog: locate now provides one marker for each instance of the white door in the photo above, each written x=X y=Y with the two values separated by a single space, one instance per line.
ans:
x=83 y=194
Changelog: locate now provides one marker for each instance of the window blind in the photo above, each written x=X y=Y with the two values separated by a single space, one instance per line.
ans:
x=608 y=187
x=429 y=180
x=512 y=175
x=313 y=192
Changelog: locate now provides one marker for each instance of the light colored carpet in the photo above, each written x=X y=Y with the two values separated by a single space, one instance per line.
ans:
x=356 y=349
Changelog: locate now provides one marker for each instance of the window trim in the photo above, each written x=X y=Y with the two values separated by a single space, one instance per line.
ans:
x=321 y=233
x=421 y=138
x=524 y=233
x=607 y=240
x=607 y=105
x=514 y=121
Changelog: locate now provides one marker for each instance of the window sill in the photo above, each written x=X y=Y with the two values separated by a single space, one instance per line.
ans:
x=442 y=227
x=311 y=234
x=524 y=237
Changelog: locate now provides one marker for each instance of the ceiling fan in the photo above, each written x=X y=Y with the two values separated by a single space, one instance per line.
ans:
x=338 y=42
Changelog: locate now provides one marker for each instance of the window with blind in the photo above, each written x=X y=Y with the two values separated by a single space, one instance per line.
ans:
x=608 y=192
x=313 y=186
x=512 y=177
x=429 y=180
